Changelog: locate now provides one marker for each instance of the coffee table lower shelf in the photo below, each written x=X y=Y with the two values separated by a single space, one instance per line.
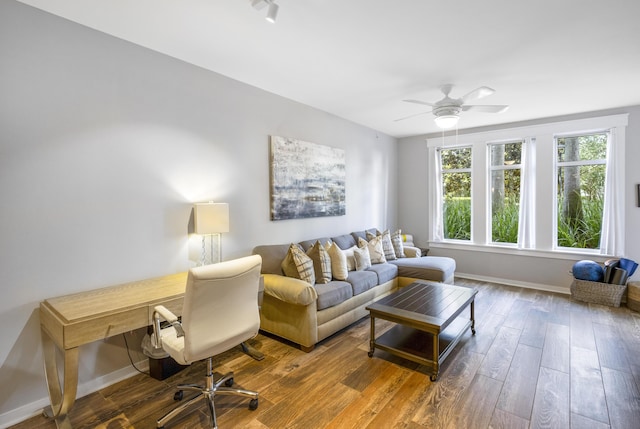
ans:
x=418 y=346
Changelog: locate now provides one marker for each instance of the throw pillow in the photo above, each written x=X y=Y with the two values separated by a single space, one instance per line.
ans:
x=321 y=262
x=387 y=246
x=370 y=235
x=339 y=267
x=351 y=262
x=303 y=263
x=288 y=265
x=375 y=249
x=361 y=256
x=396 y=240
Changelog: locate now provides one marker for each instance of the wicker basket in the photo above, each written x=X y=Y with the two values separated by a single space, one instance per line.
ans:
x=633 y=301
x=597 y=293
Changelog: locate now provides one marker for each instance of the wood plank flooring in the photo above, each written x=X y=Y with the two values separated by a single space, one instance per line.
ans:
x=538 y=360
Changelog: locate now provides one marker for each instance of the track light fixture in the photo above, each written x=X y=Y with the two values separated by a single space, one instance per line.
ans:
x=272 y=12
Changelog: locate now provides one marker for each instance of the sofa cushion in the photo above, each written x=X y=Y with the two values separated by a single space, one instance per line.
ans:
x=307 y=244
x=332 y=293
x=385 y=272
x=339 y=268
x=321 y=262
x=436 y=268
x=272 y=257
x=362 y=281
x=363 y=234
x=344 y=241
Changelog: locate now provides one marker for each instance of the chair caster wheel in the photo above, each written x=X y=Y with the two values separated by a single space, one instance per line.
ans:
x=178 y=395
x=253 y=405
x=370 y=354
x=229 y=382
x=433 y=377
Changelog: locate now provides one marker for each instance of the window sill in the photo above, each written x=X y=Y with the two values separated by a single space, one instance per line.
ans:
x=568 y=254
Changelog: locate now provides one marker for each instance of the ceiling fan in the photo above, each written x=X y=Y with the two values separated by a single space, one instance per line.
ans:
x=447 y=111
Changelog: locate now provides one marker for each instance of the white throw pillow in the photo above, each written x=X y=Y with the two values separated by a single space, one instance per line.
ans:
x=351 y=262
x=396 y=240
x=387 y=246
x=361 y=256
x=339 y=267
x=374 y=245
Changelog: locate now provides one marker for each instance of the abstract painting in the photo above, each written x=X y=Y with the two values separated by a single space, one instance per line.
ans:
x=307 y=179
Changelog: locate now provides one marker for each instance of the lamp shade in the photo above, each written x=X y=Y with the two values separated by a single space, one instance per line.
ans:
x=210 y=218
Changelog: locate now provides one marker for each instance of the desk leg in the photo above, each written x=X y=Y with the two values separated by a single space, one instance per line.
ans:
x=62 y=397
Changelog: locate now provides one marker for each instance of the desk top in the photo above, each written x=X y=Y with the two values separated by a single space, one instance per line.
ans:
x=108 y=300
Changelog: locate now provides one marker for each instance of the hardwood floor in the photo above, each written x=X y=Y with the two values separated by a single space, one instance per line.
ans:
x=538 y=360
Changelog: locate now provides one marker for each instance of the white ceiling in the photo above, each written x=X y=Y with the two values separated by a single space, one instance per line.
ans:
x=359 y=59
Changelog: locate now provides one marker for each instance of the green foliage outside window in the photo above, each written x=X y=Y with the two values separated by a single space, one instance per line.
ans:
x=456 y=193
x=581 y=176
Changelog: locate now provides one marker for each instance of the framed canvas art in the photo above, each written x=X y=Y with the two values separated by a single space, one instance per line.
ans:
x=307 y=179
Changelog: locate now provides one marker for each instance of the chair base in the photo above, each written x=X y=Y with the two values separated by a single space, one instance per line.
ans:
x=208 y=393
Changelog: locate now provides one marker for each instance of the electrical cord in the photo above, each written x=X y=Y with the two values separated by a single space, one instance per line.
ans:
x=130 y=358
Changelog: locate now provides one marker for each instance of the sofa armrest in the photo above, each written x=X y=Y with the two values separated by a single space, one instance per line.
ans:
x=288 y=289
x=412 y=252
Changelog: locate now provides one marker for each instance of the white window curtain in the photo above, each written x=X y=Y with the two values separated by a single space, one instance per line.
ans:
x=612 y=236
x=526 y=224
x=436 y=179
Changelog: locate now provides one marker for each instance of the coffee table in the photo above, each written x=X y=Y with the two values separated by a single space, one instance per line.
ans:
x=427 y=323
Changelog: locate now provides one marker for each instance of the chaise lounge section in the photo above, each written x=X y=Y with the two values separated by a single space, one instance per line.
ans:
x=306 y=312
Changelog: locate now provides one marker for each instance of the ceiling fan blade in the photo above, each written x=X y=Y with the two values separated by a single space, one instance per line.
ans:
x=424 y=103
x=485 y=108
x=411 y=116
x=477 y=93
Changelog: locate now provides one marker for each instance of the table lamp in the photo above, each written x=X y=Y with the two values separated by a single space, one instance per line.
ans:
x=210 y=219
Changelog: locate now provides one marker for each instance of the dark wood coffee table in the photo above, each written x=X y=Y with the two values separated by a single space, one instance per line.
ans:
x=427 y=323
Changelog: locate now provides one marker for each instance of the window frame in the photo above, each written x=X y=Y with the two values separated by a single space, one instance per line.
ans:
x=490 y=170
x=543 y=134
x=557 y=165
x=460 y=170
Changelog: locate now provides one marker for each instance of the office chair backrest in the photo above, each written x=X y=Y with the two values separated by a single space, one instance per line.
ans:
x=220 y=307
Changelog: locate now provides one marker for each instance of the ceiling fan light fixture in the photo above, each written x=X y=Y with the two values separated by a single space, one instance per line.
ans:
x=447 y=121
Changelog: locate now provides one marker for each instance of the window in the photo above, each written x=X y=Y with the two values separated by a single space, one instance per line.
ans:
x=456 y=192
x=556 y=187
x=581 y=162
x=504 y=192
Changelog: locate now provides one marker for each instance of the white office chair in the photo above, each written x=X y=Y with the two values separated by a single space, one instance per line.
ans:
x=219 y=312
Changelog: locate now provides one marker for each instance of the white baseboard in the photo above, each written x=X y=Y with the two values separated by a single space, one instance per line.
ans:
x=35 y=408
x=528 y=285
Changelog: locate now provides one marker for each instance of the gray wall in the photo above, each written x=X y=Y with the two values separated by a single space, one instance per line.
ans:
x=544 y=271
x=104 y=146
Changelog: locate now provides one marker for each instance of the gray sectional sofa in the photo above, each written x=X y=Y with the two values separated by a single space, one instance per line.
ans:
x=305 y=314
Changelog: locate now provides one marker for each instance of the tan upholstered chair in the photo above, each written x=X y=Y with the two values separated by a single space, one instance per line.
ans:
x=219 y=312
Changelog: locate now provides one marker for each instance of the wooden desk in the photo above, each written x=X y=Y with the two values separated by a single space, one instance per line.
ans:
x=70 y=321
